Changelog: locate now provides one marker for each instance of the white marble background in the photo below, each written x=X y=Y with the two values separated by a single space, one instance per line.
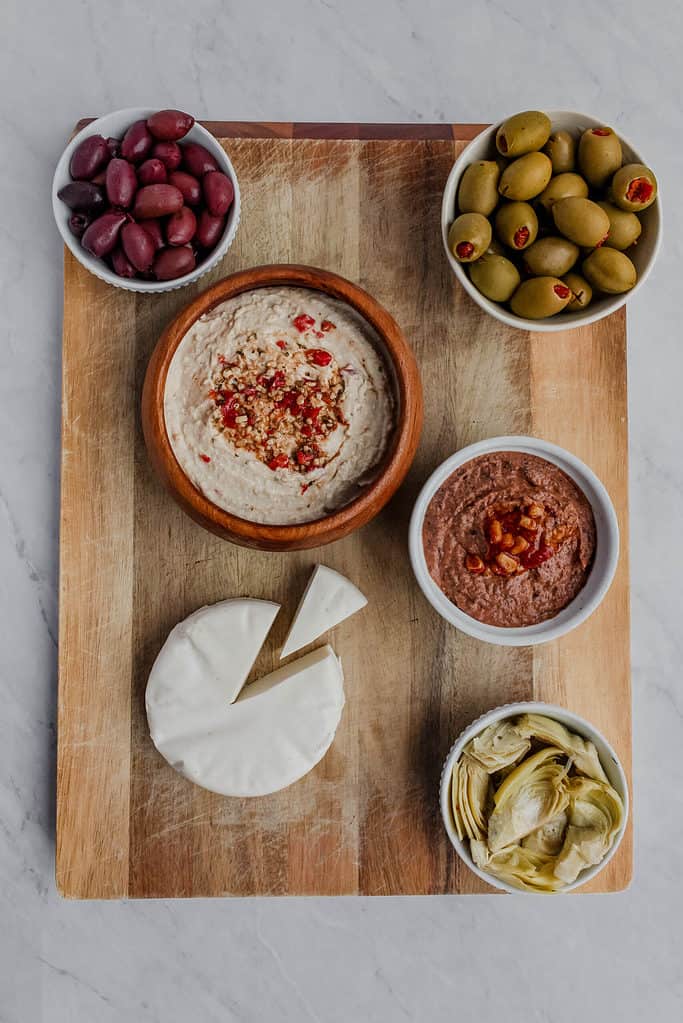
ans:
x=551 y=961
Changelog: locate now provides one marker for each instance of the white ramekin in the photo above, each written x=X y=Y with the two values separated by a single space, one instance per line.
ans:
x=606 y=552
x=114 y=125
x=608 y=758
x=483 y=147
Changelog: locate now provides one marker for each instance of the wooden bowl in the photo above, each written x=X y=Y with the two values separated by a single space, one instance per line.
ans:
x=396 y=462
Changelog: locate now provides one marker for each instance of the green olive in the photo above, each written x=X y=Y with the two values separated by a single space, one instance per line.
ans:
x=478 y=192
x=495 y=276
x=551 y=257
x=526 y=177
x=634 y=187
x=599 y=155
x=540 y=297
x=523 y=133
x=624 y=228
x=561 y=187
x=516 y=225
x=582 y=293
x=610 y=271
x=581 y=220
x=561 y=148
x=469 y=237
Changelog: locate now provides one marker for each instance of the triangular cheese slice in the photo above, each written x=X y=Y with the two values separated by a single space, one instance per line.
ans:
x=276 y=732
x=328 y=599
x=207 y=657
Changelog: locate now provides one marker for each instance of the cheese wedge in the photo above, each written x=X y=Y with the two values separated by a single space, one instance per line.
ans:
x=328 y=599
x=276 y=732
x=207 y=657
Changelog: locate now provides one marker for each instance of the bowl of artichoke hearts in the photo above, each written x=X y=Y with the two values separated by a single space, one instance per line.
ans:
x=534 y=799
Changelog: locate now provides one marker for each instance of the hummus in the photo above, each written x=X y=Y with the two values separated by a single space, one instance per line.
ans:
x=509 y=538
x=279 y=406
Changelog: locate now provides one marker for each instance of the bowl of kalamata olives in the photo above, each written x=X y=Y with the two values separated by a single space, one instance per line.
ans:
x=551 y=220
x=147 y=200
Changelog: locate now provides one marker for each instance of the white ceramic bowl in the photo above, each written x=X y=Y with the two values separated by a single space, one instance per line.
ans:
x=643 y=255
x=606 y=552
x=608 y=759
x=114 y=125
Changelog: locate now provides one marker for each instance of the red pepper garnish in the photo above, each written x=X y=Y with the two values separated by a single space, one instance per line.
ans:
x=319 y=357
x=561 y=290
x=229 y=409
x=327 y=325
x=307 y=430
x=304 y=457
x=281 y=344
x=521 y=237
x=532 y=558
x=464 y=250
x=279 y=462
x=205 y=458
x=303 y=322
x=601 y=131
x=639 y=190
x=516 y=541
x=304 y=487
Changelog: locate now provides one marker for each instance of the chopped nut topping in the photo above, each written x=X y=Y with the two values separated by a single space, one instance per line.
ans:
x=517 y=541
x=280 y=402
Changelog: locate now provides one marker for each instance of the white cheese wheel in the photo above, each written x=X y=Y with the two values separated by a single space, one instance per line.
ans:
x=328 y=599
x=274 y=734
x=207 y=657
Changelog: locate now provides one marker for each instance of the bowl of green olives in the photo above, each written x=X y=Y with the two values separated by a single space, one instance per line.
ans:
x=550 y=220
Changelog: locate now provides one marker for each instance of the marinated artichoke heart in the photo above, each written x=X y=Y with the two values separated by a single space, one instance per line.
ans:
x=534 y=802
x=533 y=794
x=521 y=867
x=499 y=746
x=582 y=752
x=595 y=815
x=470 y=790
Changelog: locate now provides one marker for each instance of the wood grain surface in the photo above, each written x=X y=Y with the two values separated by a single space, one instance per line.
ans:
x=366 y=820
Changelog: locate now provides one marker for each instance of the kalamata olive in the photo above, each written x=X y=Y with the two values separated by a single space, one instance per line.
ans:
x=189 y=186
x=78 y=223
x=138 y=246
x=100 y=177
x=152 y=172
x=153 y=229
x=121 y=264
x=102 y=235
x=170 y=125
x=181 y=227
x=172 y=263
x=169 y=153
x=114 y=147
x=218 y=193
x=137 y=142
x=209 y=229
x=121 y=182
x=197 y=160
x=82 y=196
x=87 y=158
x=157 y=201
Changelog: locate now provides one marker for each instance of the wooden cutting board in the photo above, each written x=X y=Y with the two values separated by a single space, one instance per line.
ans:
x=362 y=200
